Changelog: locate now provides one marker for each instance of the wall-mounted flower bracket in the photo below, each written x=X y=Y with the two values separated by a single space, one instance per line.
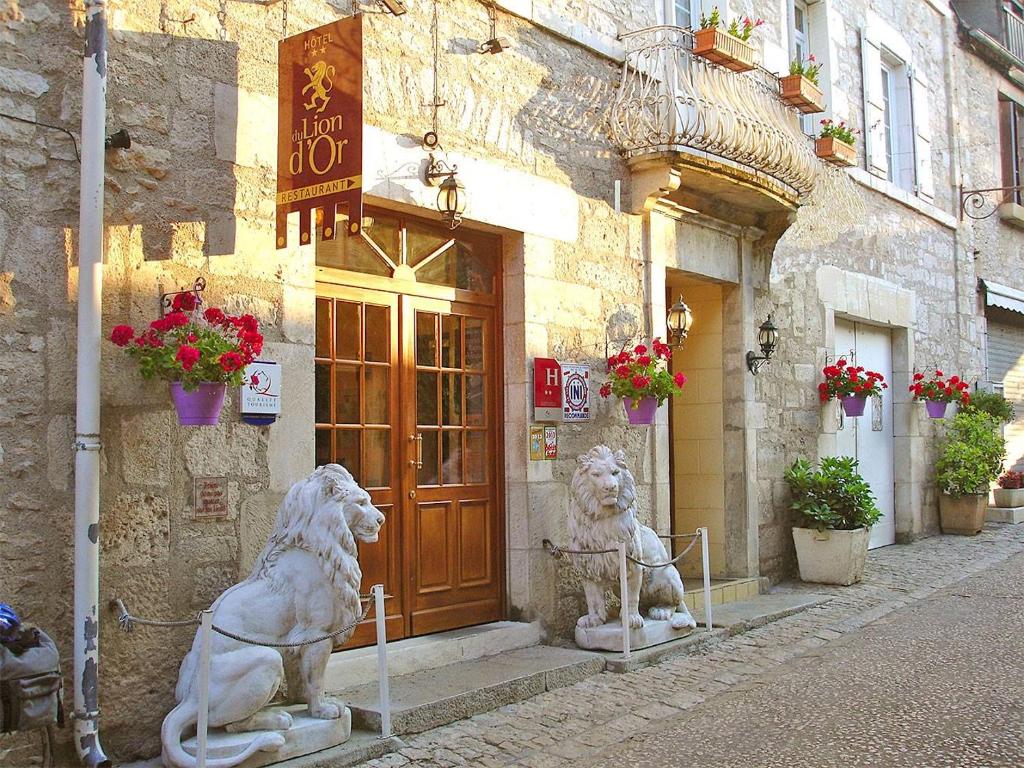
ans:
x=167 y=299
x=977 y=203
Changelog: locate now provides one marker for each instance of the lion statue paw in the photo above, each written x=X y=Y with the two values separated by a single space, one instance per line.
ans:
x=589 y=620
x=660 y=614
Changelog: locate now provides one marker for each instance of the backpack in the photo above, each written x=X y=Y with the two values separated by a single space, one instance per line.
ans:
x=30 y=682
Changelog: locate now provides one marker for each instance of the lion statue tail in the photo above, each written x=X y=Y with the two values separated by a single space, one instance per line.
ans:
x=184 y=716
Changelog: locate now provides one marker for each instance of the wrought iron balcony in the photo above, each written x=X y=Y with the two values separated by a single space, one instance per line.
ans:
x=670 y=101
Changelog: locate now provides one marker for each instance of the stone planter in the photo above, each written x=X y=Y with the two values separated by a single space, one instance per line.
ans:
x=1008 y=497
x=962 y=515
x=799 y=92
x=719 y=46
x=831 y=557
x=835 y=151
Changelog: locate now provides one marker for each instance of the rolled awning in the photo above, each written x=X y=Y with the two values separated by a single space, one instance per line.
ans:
x=1002 y=296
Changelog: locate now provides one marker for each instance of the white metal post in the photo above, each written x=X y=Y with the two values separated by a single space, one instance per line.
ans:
x=624 y=599
x=706 y=568
x=382 y=661
x=205 y=638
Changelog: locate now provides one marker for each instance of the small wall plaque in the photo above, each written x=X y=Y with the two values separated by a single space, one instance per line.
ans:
x=211 y=498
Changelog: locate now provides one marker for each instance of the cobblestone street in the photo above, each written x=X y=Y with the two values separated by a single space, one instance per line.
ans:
x=701 y=707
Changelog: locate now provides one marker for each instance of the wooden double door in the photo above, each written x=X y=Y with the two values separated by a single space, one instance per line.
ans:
x=407 y=399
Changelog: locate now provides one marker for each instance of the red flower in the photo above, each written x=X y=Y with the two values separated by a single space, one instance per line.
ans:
x=184 y=301
x=954 y=380
x=830 y=371
x=187 y=356
x=248 y=323
x=122 y=335
x=176 y=319
x=230 y=361
x=918 y=389
x=640 y=382
x=918 y=377
x=949 y=391
x=162 y=324
x=606 y=389
x=192 y=338
x=214 y=316
x=962 y=386
x=939 y=373
x=640 y=349
x=624 y=356
x=253 y=340
x=841 y=363
x=613 y=361
x=965 y=398
x=643 y=360
x=679 y=379
x=623 y=371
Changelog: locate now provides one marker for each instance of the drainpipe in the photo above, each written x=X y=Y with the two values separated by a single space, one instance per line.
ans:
x=87 y=429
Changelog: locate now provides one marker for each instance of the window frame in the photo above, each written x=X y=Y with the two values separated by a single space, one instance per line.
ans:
x=1011 y=148
x=898 y=122
x=696 y=8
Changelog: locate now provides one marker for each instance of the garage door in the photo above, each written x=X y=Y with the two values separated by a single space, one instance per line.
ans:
x=1006 y=369
x=869 y=438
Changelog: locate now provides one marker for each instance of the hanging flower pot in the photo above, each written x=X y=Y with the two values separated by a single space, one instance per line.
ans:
x=201 y=406
x=936 y=409
x=853 y=405
x=199 y=353
x=938 y=392
x=642 y=411
x=640 y=378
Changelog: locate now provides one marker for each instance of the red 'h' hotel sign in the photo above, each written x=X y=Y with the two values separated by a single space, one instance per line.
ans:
x=320 y=127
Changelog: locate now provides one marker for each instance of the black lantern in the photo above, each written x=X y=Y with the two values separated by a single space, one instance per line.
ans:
x=451 y=197
x=678 y=322
x=767 y=339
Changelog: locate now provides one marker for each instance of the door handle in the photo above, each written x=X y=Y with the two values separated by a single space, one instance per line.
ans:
x=418 y=461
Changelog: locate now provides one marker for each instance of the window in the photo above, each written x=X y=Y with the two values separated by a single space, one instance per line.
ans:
x=897 y=122
x=684 y=13
x=801 y=49
x=1011 y=140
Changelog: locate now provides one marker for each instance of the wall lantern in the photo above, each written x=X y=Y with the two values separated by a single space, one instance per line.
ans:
x=768 y=339
x=451 y=198
x=678 y=322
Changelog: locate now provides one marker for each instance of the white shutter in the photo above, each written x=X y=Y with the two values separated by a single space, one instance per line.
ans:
x=922 y=135
x=874 y=107
x=820 y=44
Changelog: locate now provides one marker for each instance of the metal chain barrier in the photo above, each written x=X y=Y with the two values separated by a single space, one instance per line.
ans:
x=556 y=551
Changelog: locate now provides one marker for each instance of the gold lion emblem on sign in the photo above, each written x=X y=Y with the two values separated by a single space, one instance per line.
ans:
x=320 y=84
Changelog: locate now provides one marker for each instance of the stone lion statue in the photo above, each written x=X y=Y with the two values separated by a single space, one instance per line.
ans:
x=304 y=584
x=602 y=513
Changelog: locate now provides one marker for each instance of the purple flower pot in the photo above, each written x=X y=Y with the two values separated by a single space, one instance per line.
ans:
x=936 y=409
x=644 y=412
x=201 y=406
x=853 y=405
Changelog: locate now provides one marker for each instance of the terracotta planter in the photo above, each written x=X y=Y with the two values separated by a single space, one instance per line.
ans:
x=643 y=413
x=831 y=557
x=853 y=406
x=835 y=151
x=719 y=46
x=799 y=92
x=1008 y=497
x=962 y=515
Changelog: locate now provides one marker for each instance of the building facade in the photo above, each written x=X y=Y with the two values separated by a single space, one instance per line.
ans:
x=608 y=172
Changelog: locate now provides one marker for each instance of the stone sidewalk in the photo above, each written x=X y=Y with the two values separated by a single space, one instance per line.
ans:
x=572 y=725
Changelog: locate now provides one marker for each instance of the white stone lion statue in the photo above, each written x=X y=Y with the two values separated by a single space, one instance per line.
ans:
x=304 y=584
x=602 y=513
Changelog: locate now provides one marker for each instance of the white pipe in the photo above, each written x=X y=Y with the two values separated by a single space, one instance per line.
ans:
x=383 y=684
x=203 y=716
x=624 y=599
x=87 y=429
x=706 y=566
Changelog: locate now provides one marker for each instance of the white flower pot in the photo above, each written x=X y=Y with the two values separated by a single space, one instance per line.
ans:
x=1009 y=497
x=831 y=557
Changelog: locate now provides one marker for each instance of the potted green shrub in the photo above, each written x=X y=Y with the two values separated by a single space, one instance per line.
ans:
x=970 y=459
x=837 y=509
x=992 y=403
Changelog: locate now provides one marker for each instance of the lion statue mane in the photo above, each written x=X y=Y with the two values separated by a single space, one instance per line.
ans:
x=602 y=513
x=304 y=584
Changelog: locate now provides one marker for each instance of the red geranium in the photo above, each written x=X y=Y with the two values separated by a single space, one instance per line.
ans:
x=637 y=374
x=192 y=347
x=844 y=380
x=939 y=389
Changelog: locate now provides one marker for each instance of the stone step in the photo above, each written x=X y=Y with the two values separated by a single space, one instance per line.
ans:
x=750 y=614
x=347 y=669
x=1014 y=515
x=434 y=697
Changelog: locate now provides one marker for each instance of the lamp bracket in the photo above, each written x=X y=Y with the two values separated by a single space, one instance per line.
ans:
x=755 y=361
x=438 y=170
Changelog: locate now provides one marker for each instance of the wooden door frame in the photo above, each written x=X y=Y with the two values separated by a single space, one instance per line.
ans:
x=335 y=281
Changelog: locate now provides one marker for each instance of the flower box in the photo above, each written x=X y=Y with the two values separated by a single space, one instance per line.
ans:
x=831 y=556
x=962 y=515
x=1008 y=498
x=719 y=46
x=799 y=92
x=835 y=151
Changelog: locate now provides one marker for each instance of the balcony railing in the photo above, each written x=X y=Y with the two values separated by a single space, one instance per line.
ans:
x=1014 y=33
x=672 y=101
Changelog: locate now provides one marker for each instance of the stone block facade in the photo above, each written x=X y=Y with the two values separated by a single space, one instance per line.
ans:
x=194 y=83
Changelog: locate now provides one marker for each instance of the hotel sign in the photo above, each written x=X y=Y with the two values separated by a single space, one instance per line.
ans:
x=320 y=128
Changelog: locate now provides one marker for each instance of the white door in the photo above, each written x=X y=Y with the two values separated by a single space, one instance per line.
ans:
x=869 y=438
